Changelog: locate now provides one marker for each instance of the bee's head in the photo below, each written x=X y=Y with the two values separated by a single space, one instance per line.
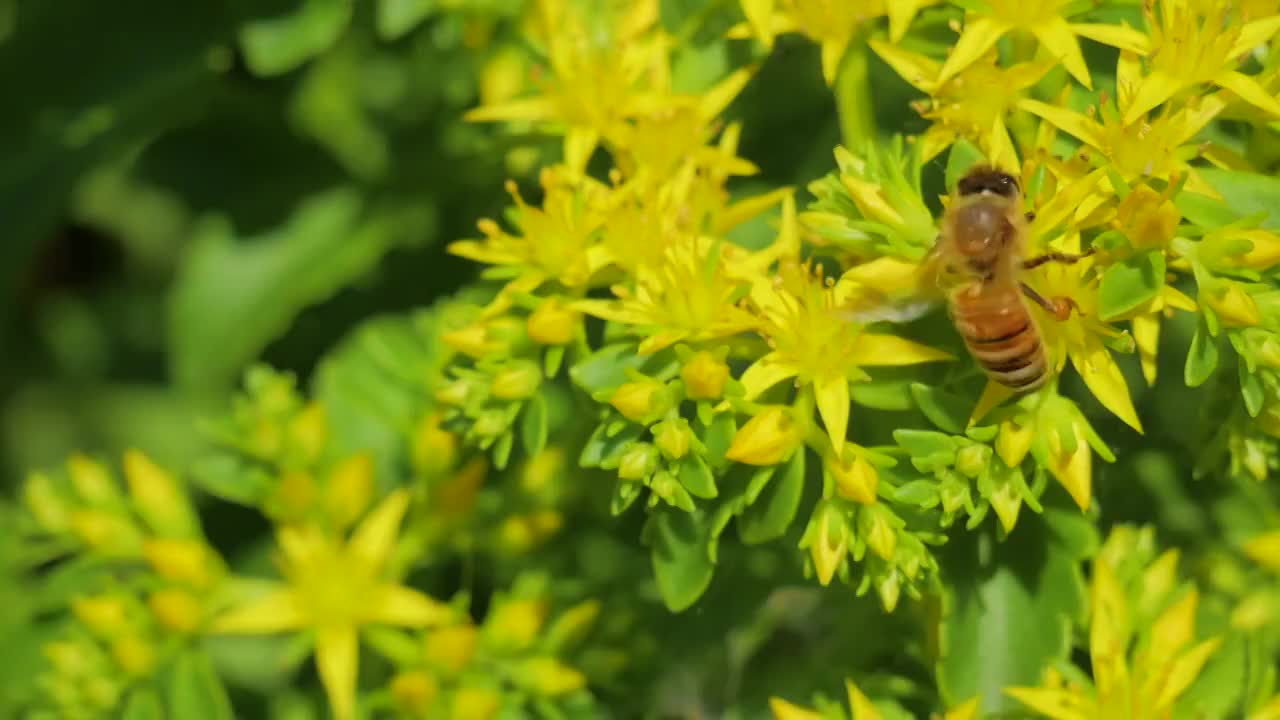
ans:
x=987 y=180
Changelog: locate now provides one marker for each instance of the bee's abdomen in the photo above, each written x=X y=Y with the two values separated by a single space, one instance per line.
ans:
x=1003 y=339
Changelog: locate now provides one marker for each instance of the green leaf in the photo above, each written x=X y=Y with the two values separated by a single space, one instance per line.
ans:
x=679 y=543
x=277 y=45
x=533 y=425
x=772 y=513
x=883 y=393
x=397 y=17
x=606 y=368
x=1244 y=194
x=625 y=493
x=1220 y=686
x=1009 y=614
x=1202 y=359
x=964 y=155
x=1252 y=388
x=230 y=478
x=602 y=449
x=195 y=691
x=927 y=448
x=948 y=411
x=695 y=476
x=233 y=296
x=143 y=704
x=1127 y=285
x=717 y=438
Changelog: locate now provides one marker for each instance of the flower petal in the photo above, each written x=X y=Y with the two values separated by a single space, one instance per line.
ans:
x=979 y=36
x=992 y=395
x=967 y=710
x=406 y=607
x=901 y=13
x=337 y=660
x=879 y=350
x=1074 y=470
x=374 y=539
x=832 y=54
x=764 y=374
x=832 y=394
x=859 y=705
x=934 y=140
x=1000 y=146
x=1078 y=125
x=1146 y=335
x=783 y=710
x=276 y=611
x=1157 y=87
x=714 y=100
x=917 y=69
x=1057 y=37
x=1249 y=90
x=1254 y=34
x=1103 y=377
x=1054 y=704
x=1117 y=36
x=535 y=108
x=1184 y=672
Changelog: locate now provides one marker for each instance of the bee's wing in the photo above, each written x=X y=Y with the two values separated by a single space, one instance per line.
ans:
x=885 y=293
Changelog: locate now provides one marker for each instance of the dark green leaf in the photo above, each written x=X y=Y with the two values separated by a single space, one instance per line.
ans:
x=1202 y=359
x=772 y=513
x=533 y=425
x=625 y=493
x=602 y=449
x=195 y=691
x=397 y=17
x=1129 y=284
x=232 y=297
x=696 y=477
x=948 y=411
x=1009 y=614
x=678 y=543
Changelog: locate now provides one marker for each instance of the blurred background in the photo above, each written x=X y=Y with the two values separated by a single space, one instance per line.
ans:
x=186 y=188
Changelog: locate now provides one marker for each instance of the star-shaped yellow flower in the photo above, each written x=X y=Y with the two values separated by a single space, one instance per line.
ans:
x=1045 y=20
x=808 y=341
x=332 y=588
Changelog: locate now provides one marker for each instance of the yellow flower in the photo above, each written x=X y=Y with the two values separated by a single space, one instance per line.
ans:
x=1194 y=43
x=558 y=241
x=1134 y=676
x=1159 y=147
x=861 y=708
x=602 y=72
x=855 y=479
x=333 y=588
x=551 y=323
x=691 y=296
x=972 y=104
x=1043 y=19
x=1082 y=337
x=704 y=376
x=830 y=23
x=827 y=539
x=809 y=342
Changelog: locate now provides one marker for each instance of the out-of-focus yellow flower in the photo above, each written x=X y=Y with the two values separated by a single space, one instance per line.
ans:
x=861 y=708
x=1197 y=43
x=830 y=23
x=972 y=104
x=1141 y=679
x=1264 y=549
x=1042 y=18
x=310 y=599
x=552 y=323
x=809 y=342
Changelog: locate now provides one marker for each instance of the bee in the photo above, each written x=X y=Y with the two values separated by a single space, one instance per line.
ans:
x=979 y=256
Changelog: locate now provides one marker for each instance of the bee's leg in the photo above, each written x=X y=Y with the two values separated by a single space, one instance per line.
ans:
x=1067 y=258
x=1059 y=307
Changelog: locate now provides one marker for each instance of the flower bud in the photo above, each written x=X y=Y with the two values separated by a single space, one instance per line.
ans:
x=1269 y=352
x=638 y=462
x=767 y=439
x=134 y=655
x=475 y=703
x=542 y=470
x=104 y=615
x=878 y=531
x=889 y=588
x=827 y=539
x=673 y=437
x=641 y=401
x=176 y=610
x=294 y=494
x=461 y=392
x=189 y=562
x=413 y=692
x=349 y=490
x=450 y=649
x=704 y=376
x=517 y=381
x=971 y=459
x=435 y=449
x=552 y=323
x=548 y=677
x=106 y=533
x=473 y=340
x=1233 y=304
x=308 y=432
x=157 y=497
x=1147 y=218
x=515 y=535
x=856 y=479
x=668 y=488
x=490 y=424
x=92 y=481
x=1014 y=441
x=514 y=624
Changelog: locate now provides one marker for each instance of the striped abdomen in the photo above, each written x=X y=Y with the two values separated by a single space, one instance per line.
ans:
x=1001 y=336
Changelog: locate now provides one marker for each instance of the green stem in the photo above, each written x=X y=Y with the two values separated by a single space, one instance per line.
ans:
x=853 y=95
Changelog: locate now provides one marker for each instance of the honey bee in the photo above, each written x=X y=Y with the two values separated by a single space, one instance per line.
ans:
x=979 y=256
